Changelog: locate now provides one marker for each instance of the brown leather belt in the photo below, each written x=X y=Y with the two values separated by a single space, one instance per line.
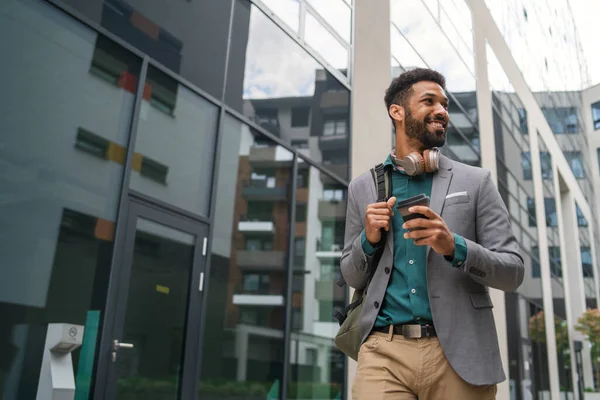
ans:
x=413 y=331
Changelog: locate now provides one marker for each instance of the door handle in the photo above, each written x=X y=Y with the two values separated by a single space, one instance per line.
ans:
x=118 y=345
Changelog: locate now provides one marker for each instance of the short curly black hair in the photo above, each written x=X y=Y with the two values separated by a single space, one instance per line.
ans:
x=400 y=89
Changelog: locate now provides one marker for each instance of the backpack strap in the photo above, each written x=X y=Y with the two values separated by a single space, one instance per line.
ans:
x=383 y=187
x=382 y=180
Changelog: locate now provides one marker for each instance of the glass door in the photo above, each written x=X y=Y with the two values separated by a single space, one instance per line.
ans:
x=154 y=346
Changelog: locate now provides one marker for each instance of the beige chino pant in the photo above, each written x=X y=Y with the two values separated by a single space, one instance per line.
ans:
x=391 y=367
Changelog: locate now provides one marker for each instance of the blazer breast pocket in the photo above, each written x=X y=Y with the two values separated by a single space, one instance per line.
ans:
x=481 y=300
x=457 y=198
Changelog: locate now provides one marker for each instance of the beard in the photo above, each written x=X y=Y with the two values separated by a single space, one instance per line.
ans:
x=420 y=131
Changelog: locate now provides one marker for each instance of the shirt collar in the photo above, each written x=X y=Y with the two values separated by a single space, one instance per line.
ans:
x=388 y=161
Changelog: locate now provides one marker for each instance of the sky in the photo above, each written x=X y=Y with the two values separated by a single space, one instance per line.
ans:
x=587 y=16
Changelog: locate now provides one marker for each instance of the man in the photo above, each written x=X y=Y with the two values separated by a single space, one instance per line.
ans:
x=427 y=326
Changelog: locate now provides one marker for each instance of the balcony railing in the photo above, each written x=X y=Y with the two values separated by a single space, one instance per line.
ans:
x=260 y=190
x=328 y=246
x=257 y=223
x=333 y=142
x=330 y=210
x=261 y=260
x=271 y=124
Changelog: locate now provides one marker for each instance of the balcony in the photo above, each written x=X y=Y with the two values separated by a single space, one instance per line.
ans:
x=328 y=251
x=269 y=156
x=340 y=170
x=269 y=123
x=256 y=225
x=258 y=190
x=337 y=142
x=332 y=210
x=329 y=291
x=261 y=260
x=262 y=297
x=335 y=99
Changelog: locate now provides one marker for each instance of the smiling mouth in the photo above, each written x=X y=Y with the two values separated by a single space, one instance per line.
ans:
x=437 y=124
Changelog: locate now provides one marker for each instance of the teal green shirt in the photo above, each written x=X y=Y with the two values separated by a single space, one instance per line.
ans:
x=406 y=298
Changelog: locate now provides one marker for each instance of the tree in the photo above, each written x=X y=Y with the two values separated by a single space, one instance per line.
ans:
x=589 y=325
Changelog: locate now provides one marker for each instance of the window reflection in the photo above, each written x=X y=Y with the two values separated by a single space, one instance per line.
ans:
x=320 y=39
x=172 y=33
x=422 y=31
x=412 y=46
x=65 y=129
x=289 y=94
x=586 y=258
x=317 y=365
x=245 y=321
x=337 y=14
x=596 y=115
x=175 y=144
x=287 y=10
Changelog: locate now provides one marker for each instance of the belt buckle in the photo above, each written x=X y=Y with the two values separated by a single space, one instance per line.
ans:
x=412 y=331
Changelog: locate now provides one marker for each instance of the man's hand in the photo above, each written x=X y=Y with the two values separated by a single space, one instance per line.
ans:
x=378 y=216
x=432 y=232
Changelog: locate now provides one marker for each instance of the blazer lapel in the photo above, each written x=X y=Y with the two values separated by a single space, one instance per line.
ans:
x=439 y=188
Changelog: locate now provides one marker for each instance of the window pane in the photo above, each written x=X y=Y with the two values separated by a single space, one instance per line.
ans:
x=287 y=10
x=285 y=91
x=596 y=115
x=320 y=39
x=243 y=342
x=175 y=144
x=317 y=367
x=65 y=127
x=172 y=33
x=337 y=14
x=300 y=116
x=575 y=160
x=421 y=29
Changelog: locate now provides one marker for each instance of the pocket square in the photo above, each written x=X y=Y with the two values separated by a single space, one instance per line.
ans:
x=451 y=195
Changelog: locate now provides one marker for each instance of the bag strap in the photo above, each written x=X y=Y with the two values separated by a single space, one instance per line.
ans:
x=383 y=187
x=383 y=183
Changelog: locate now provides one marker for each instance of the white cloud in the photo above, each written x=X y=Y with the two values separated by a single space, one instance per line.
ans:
x=275 y=65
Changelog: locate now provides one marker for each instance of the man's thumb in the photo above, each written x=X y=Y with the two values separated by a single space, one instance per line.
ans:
x=391 y=201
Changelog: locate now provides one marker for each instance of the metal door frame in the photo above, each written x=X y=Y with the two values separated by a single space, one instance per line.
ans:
x=139 y=207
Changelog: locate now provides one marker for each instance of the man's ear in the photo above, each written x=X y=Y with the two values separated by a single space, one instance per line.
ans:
x=397 y=113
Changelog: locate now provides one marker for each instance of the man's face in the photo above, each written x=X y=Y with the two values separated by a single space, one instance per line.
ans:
x=427 y=117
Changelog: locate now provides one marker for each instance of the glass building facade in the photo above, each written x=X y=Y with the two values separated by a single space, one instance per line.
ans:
x=174 y=177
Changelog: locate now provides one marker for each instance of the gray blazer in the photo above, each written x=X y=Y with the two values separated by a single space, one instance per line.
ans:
x=471 y=206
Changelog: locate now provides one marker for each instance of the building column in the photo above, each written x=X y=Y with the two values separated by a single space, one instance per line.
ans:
x=574 y=287
x=323 y=361
x=241 y=353
x=488 y=161
x=371 y=73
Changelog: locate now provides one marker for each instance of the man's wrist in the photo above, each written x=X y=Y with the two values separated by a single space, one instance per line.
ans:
x=368 y=248
x=459 y=253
